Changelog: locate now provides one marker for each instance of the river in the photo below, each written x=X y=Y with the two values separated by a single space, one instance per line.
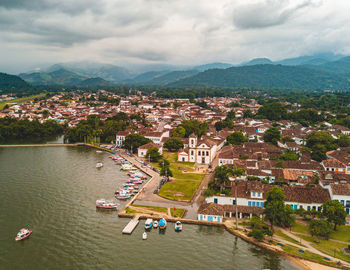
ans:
x=53 y=191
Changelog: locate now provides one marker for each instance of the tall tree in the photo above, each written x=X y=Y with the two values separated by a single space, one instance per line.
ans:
x=173 y=144
x=134 y=141
x=236 y=138
x=334 y=212
x=272 y=135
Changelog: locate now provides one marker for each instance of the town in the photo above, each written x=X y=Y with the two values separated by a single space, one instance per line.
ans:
x=223 y=156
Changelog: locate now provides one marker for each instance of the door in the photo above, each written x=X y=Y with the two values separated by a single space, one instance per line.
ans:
x=210 y=218
x=203 y=160
x=215 y=200
x=200 y=217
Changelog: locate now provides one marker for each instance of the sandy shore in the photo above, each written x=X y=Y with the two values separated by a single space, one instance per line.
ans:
x=308 y=265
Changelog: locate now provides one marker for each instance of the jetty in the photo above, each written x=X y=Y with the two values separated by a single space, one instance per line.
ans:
x=130 y=227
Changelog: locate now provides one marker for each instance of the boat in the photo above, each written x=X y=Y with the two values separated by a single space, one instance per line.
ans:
x=123 y=195
x=162 y=224
x=99 y=164
x=23 y=234
x=155 y=224
x=104 y=204
x=126 y=167
x=144 y=236
x=148 y=223
x=178 y=226
x=98 y=151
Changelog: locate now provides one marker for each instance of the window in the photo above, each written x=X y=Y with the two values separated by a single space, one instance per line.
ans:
x=215 y=200
x=342 y=202
x=253 y=203
x=234 y=202
x=347 y=203
x=191 y=152
x=199 y=153
x=207 y=153
x=249 y=203
x=301 y=207
x=262 y=204
x=192 y=141
x=253 y=194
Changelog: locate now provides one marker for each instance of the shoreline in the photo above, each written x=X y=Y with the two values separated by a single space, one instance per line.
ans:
x=299 y=261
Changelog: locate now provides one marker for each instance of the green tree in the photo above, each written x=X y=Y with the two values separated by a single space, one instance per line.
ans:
x=179 y=132
x=275 y=211
x=289 y=155
x=153 y=154
x=236 y=138
x=334 y=212
x=273 y=111
x=231 y=115
x=134 y=141
x=248 y=114
x=320 y=228
x=223 y=173
x=272 y=135
x=343 y=140
x=173 y=144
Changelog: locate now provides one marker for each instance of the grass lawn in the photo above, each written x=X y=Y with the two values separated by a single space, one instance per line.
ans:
x=286 y=237
x=185 y=184
x=306 y=254
x=328 y=247
x=342 y=233
x=154 y=208
x=178 y=212
x=300 y=228
x=20 y=100
x=128 y=210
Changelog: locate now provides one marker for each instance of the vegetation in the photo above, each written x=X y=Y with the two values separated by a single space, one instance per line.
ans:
x=259 y=228
x=276 y=212
x=177 y=212
x=334 y=212
x=185 y=181
x=320 y=228
x=221 y=179
x=153 y=208
x=134 y=141
x=13 y=130
x=179 y=132
x=21 y=100
x=272 y=135
x=153 y=154
x=236 y=138
x=173 y=144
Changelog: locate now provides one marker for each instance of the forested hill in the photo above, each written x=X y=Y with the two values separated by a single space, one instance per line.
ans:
x=11 y=82
x=267 y=76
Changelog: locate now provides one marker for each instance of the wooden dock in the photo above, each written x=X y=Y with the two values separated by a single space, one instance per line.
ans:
x=130 y=227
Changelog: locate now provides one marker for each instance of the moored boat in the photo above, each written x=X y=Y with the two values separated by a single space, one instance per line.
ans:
x=162 y=224
x=178 y=226
x=123 y=195
x=144 y=236
x=155 y=224
x=148 y=223
x=99 y=164
x=23 y=234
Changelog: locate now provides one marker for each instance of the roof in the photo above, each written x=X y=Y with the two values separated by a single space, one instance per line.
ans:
x=149 y=145
x=333 y=163
x=340 y=189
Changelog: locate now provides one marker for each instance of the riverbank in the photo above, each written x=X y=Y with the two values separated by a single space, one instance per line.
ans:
x=40 y=145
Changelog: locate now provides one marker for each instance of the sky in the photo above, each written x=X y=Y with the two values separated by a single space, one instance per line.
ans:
x=35 y=33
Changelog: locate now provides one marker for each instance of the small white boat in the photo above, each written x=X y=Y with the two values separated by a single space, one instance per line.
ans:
x=98 y=151
x=144 y=236
x=178 y=226
x=155 y=224
x=148 y=223
x=104 y=204
x=99 y=165
x=23 y=234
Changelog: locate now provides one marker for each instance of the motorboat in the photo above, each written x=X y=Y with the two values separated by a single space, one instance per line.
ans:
x=126 y=167
x=178 y=226
x=23 y=234
x=155 y=224
x=148 y=224
x=99 y=165
x=123 y=195
x=162 y=224
x=144 y=236
x=104 y=204
x=98 y=151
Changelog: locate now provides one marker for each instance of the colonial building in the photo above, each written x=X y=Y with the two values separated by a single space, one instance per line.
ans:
x=142 y=150
x=202 y=151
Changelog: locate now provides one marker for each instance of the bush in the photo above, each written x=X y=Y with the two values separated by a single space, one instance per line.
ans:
x=258 y=234
x=320 y=228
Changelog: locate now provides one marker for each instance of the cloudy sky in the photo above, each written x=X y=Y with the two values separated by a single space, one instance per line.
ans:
x=181 y=32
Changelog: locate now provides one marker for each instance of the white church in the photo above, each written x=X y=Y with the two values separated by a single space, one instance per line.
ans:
x=202 y=151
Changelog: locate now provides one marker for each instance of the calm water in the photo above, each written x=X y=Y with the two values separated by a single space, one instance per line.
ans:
x=53 y=190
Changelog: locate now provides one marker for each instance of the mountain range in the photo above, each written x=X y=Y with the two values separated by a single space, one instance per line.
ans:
x=319 y=71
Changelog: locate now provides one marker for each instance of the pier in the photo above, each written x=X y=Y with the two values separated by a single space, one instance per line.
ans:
x=130 y=227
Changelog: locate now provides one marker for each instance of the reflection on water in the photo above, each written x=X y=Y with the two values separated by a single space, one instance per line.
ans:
x=53 y=190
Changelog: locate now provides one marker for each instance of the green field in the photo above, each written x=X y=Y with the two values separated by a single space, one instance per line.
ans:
x=287 y=238
x=20 y=100
x=178 y=212
x=153 y=208
x=185 y=183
